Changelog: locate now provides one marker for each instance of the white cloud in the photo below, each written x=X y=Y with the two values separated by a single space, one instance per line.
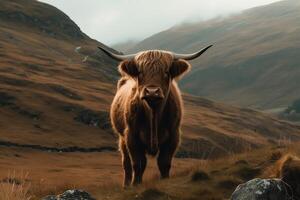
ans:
x=113 y=21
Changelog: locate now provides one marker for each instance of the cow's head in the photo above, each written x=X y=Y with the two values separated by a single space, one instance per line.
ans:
x=154 y=71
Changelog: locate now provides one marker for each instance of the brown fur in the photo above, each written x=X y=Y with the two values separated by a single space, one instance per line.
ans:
x=288 y=170
x=135 y=122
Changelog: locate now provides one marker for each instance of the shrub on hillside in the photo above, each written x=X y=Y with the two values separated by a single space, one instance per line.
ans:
x=294 y=108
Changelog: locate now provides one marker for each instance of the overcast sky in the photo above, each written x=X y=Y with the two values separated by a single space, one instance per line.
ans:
x=114 y=21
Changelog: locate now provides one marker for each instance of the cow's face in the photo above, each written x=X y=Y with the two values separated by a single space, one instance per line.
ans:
x=154 y=78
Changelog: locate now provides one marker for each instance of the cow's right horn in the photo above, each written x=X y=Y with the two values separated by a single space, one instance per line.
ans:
x=192 y=55
x=116 y=56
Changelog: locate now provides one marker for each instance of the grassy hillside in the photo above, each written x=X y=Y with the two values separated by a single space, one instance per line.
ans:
x=45 y=84
x=254 y=61
x=57 y=89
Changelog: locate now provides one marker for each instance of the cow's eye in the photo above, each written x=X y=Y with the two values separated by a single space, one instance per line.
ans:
x=140 y=76
x=166 y=74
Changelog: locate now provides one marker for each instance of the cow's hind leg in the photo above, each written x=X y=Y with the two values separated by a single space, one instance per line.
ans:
x=166 y=153
x=126 y=163
x=138 y=158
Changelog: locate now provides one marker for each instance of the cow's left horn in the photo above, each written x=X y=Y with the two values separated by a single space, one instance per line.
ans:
x=191 y=56
x=116 y=56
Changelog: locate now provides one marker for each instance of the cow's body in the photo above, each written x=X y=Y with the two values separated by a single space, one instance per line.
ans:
x=128 y=109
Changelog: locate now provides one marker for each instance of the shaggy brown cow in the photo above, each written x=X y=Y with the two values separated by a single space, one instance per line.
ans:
x=147 y=109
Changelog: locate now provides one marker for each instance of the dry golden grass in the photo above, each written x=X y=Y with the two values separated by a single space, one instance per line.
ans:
x=214 y=180
x=15 y=187
x=53 y=173
x=101 y=174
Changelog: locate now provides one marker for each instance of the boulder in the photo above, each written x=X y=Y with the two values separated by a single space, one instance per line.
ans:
x=71 y=195
x=262 y=189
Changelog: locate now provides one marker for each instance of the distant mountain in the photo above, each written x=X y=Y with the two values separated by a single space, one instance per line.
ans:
x=255 y=59
x=56 y=90
x=34 y=28
x=125 y=46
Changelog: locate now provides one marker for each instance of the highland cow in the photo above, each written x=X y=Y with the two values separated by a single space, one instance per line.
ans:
x=147 y=109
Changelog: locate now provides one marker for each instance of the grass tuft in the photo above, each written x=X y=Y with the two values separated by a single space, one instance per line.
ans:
x=275 y=156
x=15 y=188
x=246 y=172
x=199 y=175
x=229 y=183
x=241 y=162
x=152 y=194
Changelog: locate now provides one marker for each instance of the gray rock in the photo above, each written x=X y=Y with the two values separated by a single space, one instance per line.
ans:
x=262 y=189
x=50 y=197
x=71 y=195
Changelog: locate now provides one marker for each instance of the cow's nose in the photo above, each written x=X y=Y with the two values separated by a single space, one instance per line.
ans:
x=152 y=91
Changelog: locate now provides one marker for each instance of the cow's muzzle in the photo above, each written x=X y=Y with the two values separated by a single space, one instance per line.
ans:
x=152 y=95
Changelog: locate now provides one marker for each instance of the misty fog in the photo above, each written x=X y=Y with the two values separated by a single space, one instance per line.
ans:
x=112 y=22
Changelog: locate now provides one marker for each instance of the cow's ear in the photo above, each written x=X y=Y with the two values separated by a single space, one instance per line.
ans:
x=128 y=67
x=179 y=68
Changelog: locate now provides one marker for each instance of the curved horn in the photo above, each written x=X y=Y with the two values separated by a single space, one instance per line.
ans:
x=191 y=56
x=116 y=56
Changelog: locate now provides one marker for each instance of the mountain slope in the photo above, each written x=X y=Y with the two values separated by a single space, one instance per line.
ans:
x=56 y=89
x=254 y=61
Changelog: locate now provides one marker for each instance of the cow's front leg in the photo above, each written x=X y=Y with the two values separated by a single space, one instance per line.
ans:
x=138 y=158
x=166 y=153
x=126 y=163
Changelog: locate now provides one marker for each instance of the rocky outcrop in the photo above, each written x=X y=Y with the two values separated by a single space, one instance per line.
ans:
x=65 y=91
x=71 y=195
x=99 y=119
x=9 y=101
x=262 y=189
x=41 y=16
x=6 y=99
